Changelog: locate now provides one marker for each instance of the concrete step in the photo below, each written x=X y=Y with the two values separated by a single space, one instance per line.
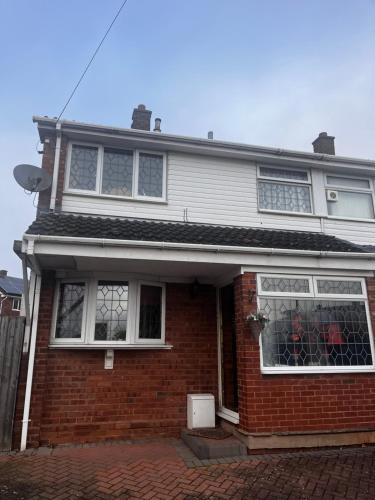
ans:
x=206 y=448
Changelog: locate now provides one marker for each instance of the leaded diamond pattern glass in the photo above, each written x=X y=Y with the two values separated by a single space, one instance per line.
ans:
x=283 y=174
x=117 y=178
x=150 y=312
x=150 y=175
x=111 y=311
x=285 y=285
x=70 y=311
x=339 y=287
x=284 y=197
x=304 y=332
x=83 y=167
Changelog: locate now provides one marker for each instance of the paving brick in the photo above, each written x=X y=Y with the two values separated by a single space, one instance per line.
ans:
x=155 y=470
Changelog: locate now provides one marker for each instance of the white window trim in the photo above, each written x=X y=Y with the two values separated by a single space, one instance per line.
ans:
x=285 y=294
x=282 y=169
x=14 y=308
x=317 y=294
x=89 y=311
x=99 y=173
x=267 y=370
x=80 y=340
x=276 y=180
x=150 y=341
x=335 y=187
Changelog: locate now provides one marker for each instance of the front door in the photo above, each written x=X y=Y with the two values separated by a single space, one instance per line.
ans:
x=228 y=354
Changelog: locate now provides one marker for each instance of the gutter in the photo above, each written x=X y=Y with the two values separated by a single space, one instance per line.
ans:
x=193 y=246
x=196 y=143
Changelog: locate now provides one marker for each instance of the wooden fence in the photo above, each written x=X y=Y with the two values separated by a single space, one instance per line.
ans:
x=11 y=341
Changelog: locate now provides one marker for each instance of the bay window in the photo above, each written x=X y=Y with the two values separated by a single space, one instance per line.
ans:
x=349 y=197
x=116 y=172
x=108 y=313
x=314 y=324
x=284 y=190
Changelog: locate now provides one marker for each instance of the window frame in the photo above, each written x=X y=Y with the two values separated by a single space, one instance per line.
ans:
x=99 y=173
x=335 y=187
x=150 y=341
x=294 y=182
x=53 y=338
x=18 y=299
x=87 y=339
x=318 y=296
x=285 y=294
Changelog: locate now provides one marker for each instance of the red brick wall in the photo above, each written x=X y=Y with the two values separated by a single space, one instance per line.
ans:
x=274 y=403
x=47 y=164
x=6 y=308
x=75 y=399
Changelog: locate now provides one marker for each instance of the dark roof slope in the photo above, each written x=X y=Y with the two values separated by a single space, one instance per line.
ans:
x=175 y=232
x=11 y=286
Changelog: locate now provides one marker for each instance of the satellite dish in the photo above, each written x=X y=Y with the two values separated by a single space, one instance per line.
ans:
x=32 y=178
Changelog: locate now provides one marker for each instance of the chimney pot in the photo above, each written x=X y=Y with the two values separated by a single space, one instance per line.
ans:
x=324 y=144
x=141 y=118
x=157 y=125
x=210 y=135
x=3 y=273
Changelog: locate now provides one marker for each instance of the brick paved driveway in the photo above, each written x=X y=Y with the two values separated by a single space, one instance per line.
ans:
x=165 y=469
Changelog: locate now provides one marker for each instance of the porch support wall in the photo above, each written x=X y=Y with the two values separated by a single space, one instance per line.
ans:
x=290 y=404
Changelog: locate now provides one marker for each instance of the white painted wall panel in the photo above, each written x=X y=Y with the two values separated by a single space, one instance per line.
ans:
x=215 y=191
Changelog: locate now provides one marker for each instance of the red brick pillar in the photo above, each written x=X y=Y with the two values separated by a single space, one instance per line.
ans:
x=41 y=358
x=248 y=365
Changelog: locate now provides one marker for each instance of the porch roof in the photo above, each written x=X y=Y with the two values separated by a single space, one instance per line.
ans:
x=75 y=226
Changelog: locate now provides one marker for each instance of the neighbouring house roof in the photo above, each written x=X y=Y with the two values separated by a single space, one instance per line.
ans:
x=191 y=233
x=11 y=286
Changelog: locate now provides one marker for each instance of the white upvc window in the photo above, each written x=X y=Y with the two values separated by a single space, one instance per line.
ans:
x=108 y=313
x=123 y=173
x=349 y=197
x=284 y=190
x=16 y=304
x=315 y=324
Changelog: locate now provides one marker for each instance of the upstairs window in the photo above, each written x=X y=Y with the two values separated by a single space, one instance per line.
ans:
x=284 y=190
x=116 y=172
x=315 y=323
x=349 y=197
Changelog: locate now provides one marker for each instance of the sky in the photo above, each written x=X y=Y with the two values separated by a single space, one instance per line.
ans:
x=271 y=73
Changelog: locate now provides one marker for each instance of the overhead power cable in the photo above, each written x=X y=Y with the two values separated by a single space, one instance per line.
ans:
x=92 y=58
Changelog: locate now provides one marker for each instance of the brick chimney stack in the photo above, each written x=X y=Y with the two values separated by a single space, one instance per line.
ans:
x=324 y=144
x=3 y=273
x=141 y=118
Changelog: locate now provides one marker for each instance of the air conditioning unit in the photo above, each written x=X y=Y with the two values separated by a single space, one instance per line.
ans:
x=332 y=195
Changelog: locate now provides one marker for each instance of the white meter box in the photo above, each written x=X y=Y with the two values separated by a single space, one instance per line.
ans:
x=200 y=411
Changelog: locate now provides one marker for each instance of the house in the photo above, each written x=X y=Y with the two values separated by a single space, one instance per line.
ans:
x=10 y=294
x=165 y=265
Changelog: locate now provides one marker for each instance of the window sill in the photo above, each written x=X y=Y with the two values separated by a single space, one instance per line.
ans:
x=162 y=201
x=336 y=217
x=281 y=212
x=110 y=346
x=317 y=370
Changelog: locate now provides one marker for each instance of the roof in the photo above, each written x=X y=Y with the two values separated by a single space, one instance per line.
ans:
x=11 y=286
x=90 y=131
x=51 y=224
